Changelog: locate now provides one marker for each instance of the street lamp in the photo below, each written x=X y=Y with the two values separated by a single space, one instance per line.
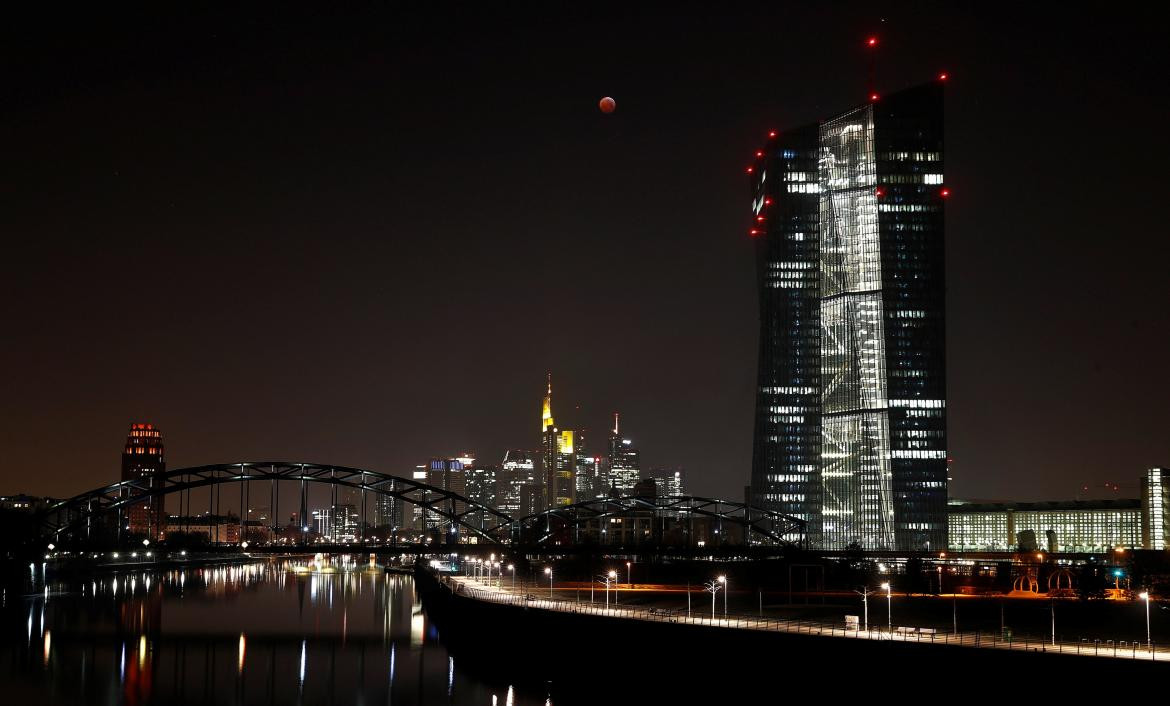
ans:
x=1145 y=596
x=611 y=576
x=512 y=568
x=889 y=609
x=629 y=575
x=865 y=605
x=548 y=570
x=723 y=580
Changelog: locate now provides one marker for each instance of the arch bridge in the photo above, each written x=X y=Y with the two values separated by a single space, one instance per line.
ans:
x=679 y=521
x=86 y=515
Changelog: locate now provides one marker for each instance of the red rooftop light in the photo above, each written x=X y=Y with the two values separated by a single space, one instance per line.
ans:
x=772 y=133
x=759 y=153
x=767 y=201
x=942 y=76
x=754 y=232
x=873 y=96
x=759 y=219
x=945 y=193
x=872 y=41
x=879 y=192
x=749 y=170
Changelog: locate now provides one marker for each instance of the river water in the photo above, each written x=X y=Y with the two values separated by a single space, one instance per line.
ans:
x=268 y=632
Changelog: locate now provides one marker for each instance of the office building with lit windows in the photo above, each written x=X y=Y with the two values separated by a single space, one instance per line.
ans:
x=1078 y=526
x=1156 y=508
x=1066 y=526
x=625 y=468
x=850 y=428
x=668 y=482
x=143 y=460
x=559 y=458
x=516 y=472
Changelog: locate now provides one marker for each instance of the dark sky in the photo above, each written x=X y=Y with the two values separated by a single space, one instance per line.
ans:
x=363 y=236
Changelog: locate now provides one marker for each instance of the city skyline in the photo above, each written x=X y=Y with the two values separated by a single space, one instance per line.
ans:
x=179 y=223
x=439 y=336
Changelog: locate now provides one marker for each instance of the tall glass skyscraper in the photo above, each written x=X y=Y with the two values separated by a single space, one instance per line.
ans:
x=855 y=443
x=559 y=458
x=786 y=207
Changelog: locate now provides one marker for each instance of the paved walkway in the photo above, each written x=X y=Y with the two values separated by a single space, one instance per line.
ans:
x=484 y=590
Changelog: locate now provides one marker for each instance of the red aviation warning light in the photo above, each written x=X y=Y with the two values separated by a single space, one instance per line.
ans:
x=759 y=219
x=944 y=193
x=754 y=232
x=942 y=76
x=873 y=96
x=771 y=134
x=759 y=153
x=767 y=200
x=750 y=170
x=871 y=42
x=879 y=192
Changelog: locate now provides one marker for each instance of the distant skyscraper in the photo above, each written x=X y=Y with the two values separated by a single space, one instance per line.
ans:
x=421 y=518
x=449 y=474
x=388 y=512
x=559 y=458
x=517 y=471
x=591 y=482
x=850 y=430
x=624 y=462
x=482 y=482
x=340 y=523
x=483 y=487
x=669 y=482
x=143 y=459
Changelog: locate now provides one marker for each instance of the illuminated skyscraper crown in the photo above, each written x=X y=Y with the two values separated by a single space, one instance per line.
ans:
x=546 y=418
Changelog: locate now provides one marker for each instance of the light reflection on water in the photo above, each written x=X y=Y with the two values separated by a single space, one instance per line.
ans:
x=257 y=633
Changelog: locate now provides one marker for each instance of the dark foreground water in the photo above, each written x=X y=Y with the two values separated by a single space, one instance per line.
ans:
x=258 y=633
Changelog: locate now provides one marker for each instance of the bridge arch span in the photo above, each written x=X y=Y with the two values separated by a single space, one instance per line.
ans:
x=67 y=518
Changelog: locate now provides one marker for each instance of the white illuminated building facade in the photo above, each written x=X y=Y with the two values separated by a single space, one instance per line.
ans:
x=851 y=405
x=1077 y=526
x=1156 y=508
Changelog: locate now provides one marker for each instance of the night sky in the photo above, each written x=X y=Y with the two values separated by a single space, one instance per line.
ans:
x=363 y=236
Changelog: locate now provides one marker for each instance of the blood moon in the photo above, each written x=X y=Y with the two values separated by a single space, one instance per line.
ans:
x=607 y=105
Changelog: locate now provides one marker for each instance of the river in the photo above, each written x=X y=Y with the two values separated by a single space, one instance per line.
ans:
x=266 y=632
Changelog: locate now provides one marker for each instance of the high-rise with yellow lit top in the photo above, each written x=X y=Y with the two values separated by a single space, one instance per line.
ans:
x=559 y=458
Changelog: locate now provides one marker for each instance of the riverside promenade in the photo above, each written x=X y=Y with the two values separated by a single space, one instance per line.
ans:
x=500 y=592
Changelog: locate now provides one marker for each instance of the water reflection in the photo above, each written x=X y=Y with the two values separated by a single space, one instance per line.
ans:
x=260 y=633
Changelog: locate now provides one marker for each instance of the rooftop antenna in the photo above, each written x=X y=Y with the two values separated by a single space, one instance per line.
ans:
x=871 y=47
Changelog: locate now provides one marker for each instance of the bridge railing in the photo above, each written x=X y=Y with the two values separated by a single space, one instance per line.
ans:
x=1120 y=649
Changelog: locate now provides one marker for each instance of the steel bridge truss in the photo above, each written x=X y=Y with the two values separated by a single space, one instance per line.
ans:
x=759 y=525
x=78 y=514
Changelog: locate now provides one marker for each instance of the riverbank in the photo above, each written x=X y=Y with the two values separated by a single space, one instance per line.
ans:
x=701 y=654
